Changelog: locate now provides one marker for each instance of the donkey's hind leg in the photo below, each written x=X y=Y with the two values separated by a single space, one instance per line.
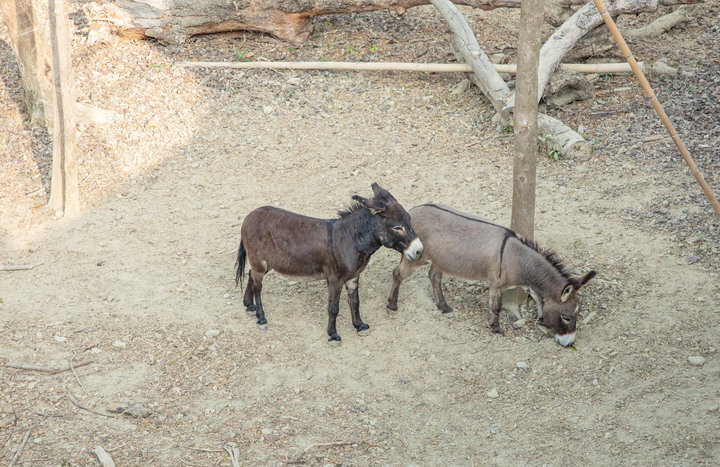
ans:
x=400 y=273
x=436 y=281
x=255 y=282
x=249 y=298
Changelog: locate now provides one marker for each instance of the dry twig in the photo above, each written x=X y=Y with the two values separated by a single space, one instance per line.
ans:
x=298 y=459
x=75 y=374
x=18 y=267
x=85 y=407
x=13 y=461
x=45 y=369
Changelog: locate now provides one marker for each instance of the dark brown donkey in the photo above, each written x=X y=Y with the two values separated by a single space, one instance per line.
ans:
x=475 y=248
x=333 y=249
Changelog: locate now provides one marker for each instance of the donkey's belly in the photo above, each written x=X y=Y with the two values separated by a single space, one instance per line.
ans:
x=317 y=277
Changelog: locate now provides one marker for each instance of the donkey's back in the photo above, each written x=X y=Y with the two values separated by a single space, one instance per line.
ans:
x=448 y=235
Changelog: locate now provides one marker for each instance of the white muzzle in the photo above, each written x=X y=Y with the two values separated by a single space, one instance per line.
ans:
x=566 y=339
x=414 y=251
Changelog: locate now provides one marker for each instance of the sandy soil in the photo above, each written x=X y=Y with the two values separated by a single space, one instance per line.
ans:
x=142 y=283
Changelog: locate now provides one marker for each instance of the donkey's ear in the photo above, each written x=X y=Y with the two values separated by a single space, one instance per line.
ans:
x=381 y=193
x=375 y=207
x=567 y=291
x=586 y=278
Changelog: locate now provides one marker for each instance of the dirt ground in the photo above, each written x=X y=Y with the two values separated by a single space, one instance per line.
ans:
x=141 y=284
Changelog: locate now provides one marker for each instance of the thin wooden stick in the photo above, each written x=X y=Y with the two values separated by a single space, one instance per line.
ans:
x=19 y=267
x=75 y=374
x=400 y=66
x=45 y=369
x=655 y=103
x=85 y=407
x=13 y=461
x=298 y=459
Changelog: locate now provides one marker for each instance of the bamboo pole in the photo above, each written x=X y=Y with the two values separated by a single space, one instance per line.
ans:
x=656 y=104
x=400 y=66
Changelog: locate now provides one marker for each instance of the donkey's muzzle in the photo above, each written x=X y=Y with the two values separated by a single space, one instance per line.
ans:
x=414 y=251
x=565 y=339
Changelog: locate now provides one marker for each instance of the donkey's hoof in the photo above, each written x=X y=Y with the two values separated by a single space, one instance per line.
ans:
x=497 y=329
x=392 y=307
x=364 y=332
x=263 y=326
x=448 y=314
x=334 y=343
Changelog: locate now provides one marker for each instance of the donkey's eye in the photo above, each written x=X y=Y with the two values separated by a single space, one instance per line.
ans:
x=565 y=319
x=399 y=229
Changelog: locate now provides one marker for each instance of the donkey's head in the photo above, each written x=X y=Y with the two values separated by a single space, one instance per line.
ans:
x=393 y=228
x=559 y=313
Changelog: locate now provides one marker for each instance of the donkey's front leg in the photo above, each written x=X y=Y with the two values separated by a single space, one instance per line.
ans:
x=334 y=289
x=436 y=281
x=495 y=307
x=353 y=297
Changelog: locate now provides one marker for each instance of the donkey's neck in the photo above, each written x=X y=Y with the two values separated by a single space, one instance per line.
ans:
x=361 y=225
x=534 y=270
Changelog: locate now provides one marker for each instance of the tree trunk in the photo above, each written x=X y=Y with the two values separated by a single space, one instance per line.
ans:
x=525 y=119
x=526 y=131
x=64 y=194
x=32 y=56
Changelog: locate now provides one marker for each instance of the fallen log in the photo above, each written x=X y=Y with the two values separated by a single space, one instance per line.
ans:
x=175 y=21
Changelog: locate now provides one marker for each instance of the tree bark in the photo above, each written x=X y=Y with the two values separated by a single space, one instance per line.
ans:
x=64 y=193
x=525 y=119
x=32 y=57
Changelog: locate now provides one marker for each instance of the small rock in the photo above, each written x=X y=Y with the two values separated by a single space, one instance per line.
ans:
x=696 y=360
x=404 y=379
x=60 y=338
x=713 y=408
x=266 y=431
x=267 y=109
x=522 y=365
x=294 y=81
x=212 y=332
x=226 y=296
x=519 y=323
x=119 y=344
x=493 y=394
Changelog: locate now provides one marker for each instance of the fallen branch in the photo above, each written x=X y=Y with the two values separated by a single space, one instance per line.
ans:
x=44 y=369
x=15 y=458
x=19 y=267
x=298 y=459
x=401 y=66
x=74 y=373
x=234 y=454
x=85 y=407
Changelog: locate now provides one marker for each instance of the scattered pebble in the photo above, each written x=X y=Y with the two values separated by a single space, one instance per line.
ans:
x=119 y=344
x=519 y=323
x=522 y=365
x=212 y=332
x=493 y=394
x=696 y=360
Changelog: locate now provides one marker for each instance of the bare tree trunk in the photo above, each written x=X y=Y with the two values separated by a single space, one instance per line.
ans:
x=64 y=193
x=32 y=56
x=526 y=128
x=525 y=119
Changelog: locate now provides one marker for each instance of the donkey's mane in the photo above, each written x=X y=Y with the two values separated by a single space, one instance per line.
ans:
x=354 y=206
x=551 y=257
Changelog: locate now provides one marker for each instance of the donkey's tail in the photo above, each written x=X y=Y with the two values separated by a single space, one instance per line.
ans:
x=240 y=264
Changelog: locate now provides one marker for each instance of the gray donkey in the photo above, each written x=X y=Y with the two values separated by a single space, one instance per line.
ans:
x=472 y=247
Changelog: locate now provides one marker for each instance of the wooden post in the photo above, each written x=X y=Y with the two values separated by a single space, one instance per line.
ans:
x=64 y=192
x=526 y=128
x=32 y=57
